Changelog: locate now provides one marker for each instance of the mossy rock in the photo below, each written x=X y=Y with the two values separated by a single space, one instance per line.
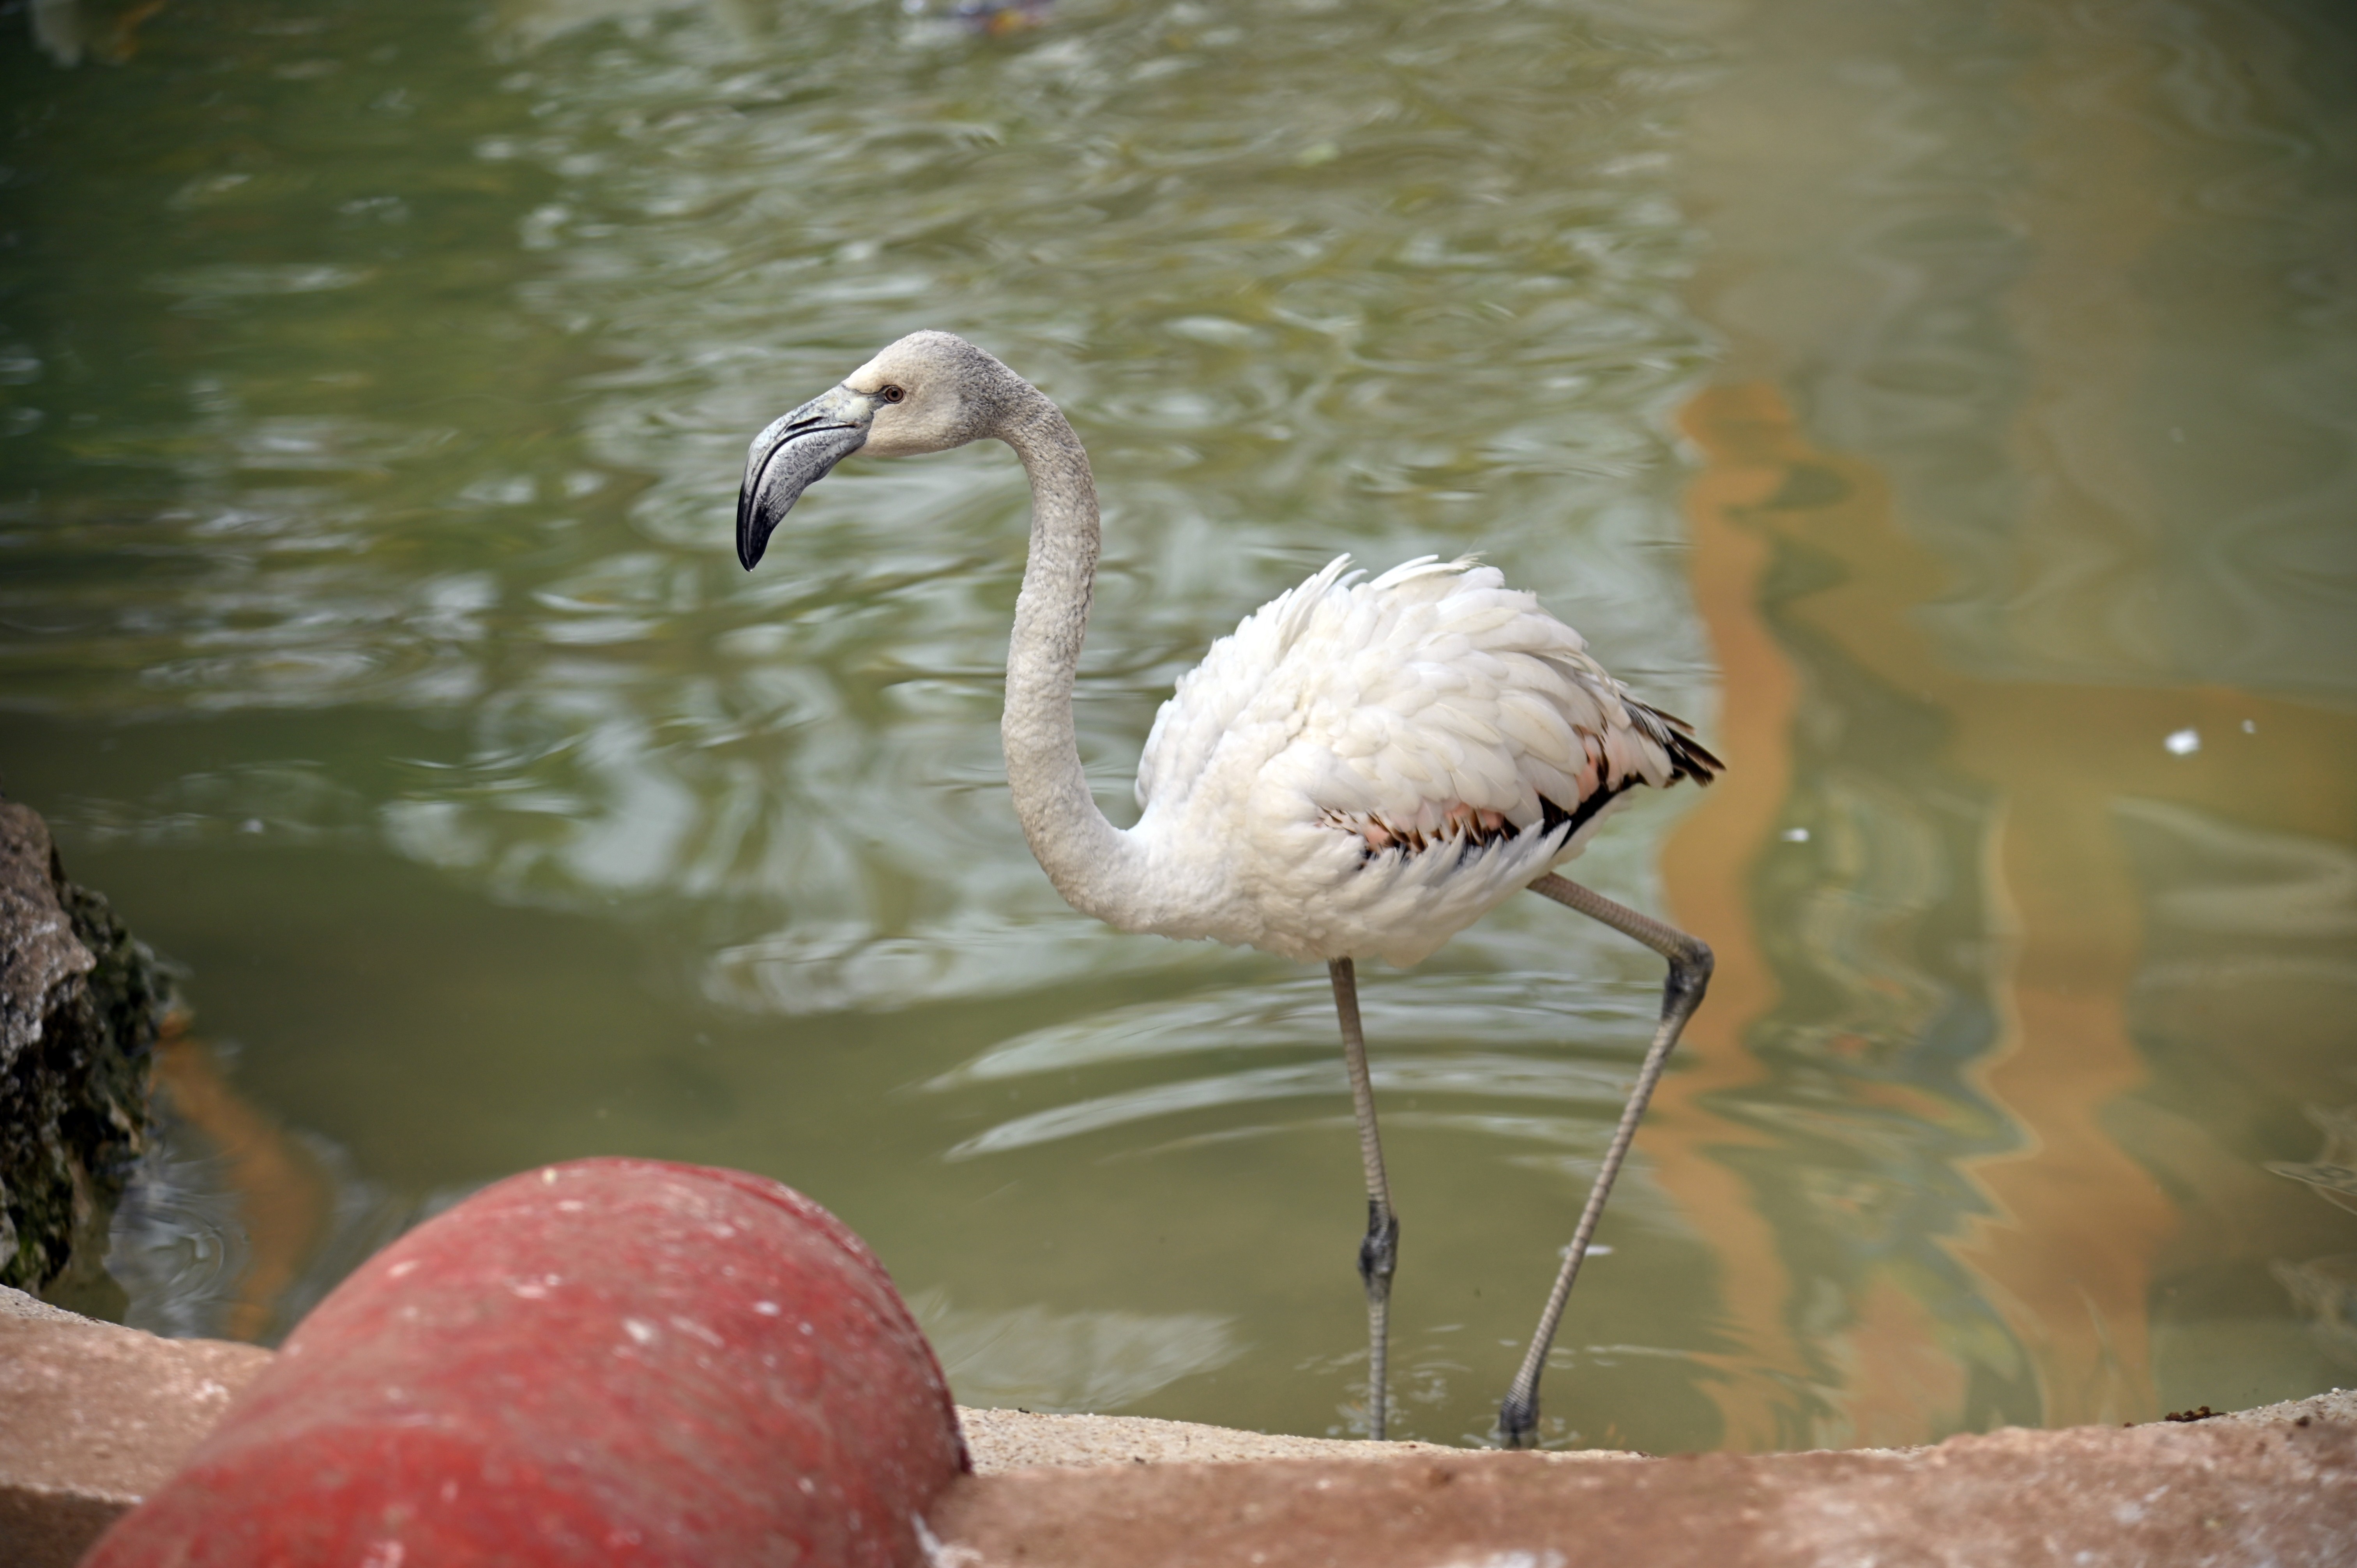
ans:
x=80 y=1002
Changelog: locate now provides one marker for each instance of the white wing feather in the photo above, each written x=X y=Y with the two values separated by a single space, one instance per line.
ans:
x=1433 y=686
x=1347 y=724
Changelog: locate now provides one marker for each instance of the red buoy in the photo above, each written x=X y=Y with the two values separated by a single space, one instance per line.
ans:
x=611 y=1361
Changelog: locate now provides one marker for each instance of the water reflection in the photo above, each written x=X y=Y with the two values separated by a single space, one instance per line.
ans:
x=2326 y=1288
x=1931 y=543
x=2036 y=1208
x=2332 y=1174
x=1466 y=1012
x=233 y=1226
x=369 y=632
x=1069 y=1361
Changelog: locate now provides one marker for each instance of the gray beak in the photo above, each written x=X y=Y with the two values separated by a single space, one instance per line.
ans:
x=792 y=454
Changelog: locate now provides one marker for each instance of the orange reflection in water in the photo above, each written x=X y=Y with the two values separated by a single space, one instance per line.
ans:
x=2065 y=1250
x=283 y=1196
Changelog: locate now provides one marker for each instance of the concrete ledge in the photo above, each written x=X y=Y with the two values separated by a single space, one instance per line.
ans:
x=93 y=1416
x=1007 y=1440
x=2279 y=1489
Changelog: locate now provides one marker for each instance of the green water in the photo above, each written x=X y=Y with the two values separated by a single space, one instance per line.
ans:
x=374 y=387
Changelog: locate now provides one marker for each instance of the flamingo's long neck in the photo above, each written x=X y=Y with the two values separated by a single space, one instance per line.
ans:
x=1096 y=865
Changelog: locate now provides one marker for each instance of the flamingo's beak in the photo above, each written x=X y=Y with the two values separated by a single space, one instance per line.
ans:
x=792 y=454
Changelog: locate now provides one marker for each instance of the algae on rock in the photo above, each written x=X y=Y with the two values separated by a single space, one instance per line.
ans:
x=79 y=1002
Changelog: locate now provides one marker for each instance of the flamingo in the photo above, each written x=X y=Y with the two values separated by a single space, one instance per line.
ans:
x=1363 y=768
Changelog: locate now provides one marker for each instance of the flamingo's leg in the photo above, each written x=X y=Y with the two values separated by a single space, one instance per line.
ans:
x=1379 y=1251
x=1690 y=961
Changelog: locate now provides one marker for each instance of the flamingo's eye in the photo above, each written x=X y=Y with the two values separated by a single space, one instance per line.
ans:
x=893 y=393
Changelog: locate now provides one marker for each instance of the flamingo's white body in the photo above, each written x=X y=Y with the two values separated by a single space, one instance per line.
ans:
x=1363 y=768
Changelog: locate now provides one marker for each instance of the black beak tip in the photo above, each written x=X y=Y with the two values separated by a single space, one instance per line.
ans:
x=778 y=473
x=752 y=539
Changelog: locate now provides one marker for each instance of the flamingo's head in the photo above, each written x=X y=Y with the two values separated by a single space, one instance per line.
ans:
x=928 y=393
